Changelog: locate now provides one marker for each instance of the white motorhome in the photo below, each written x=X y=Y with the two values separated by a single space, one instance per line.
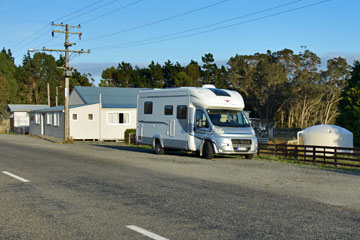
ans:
x=206 y=120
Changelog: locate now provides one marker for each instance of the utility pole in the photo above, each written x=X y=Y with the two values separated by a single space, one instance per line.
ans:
x=67 y=68
x=48 y=93
x=57 y=94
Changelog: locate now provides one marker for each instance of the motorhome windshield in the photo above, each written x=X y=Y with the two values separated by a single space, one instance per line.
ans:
x=228 y=118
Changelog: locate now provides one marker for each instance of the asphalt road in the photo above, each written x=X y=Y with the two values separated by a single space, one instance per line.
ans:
x=96 y=191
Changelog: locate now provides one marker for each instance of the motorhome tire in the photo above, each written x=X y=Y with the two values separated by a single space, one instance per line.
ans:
x=158 y=149
x=249 y=156
x=208 y=151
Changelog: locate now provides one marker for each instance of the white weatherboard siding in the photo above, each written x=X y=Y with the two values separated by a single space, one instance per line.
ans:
x=83 y=127
x=113 y=130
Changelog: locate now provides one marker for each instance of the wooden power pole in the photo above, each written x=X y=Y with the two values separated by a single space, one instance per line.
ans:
x=67 y=68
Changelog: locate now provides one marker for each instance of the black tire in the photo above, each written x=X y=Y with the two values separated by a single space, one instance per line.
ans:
x=208 y=151
x=249 y=156
x=158 y=149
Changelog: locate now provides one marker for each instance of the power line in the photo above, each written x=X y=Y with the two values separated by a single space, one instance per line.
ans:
x=24 y=42
x=158 y=21
x=79 y=10
x=201 y=27
x=226 y=26
x=105 y=14
x=91 y=10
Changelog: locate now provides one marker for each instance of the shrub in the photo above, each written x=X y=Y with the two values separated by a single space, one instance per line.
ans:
x=127 y=135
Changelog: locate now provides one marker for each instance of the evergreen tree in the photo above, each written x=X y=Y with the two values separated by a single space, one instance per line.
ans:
x=8 y=84
x=209 y=69
x=349 y=117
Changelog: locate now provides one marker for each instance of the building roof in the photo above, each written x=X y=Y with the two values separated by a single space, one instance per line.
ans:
x=110 y=96
x=55 y=109
x=24 y=107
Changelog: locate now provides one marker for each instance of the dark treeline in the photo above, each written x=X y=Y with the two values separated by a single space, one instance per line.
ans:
x=288 y=88
x=27 y=84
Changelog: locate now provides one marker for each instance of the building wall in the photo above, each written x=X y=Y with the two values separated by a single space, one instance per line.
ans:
x=52 y=130
x=49 y=129
x=83 y=127
x=35 y=129
x=116 y=131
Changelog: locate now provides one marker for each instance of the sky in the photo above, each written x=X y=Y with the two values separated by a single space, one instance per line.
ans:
x=141 y=31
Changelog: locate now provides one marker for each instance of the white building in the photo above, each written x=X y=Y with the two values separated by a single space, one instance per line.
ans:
x=95 y=114
x=19 y=116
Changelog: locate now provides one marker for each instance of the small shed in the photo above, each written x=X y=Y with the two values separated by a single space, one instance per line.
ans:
x=19 y=116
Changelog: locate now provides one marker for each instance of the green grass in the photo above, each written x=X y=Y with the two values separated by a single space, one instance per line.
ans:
x=317 y=164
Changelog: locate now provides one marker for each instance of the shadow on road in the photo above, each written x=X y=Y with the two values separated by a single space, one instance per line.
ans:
x=126 y=148
x=171 y=152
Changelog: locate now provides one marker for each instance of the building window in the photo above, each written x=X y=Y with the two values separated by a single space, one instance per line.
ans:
x=168 y=110
x=117 y=118
x=148 y=107
x=181 y=112
x=37 y=118
x=74 y=116
x=90 y=116
x=48 y=118
x=56 y=119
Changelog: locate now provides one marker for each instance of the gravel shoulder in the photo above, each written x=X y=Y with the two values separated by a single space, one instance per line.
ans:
x=338 y=188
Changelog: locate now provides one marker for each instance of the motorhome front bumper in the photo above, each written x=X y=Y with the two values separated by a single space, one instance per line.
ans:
x=246 y=145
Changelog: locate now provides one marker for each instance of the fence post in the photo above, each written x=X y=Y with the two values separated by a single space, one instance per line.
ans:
x=335 y=157
x=314 y=155
x=296 y=152
x=276 y=150
x=258 y=150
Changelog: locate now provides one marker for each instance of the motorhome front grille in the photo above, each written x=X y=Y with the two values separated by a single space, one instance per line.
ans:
x=241 y=141
x=241 y=145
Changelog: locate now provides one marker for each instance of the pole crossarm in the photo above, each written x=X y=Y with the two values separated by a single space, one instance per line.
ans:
x=64 y=25
x=60 y=50
x=56 y=31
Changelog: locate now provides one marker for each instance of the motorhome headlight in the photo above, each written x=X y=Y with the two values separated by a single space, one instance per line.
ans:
x=218 y=131
x=252 y=131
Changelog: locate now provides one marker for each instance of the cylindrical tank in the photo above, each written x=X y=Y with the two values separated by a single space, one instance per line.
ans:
x=326 y=135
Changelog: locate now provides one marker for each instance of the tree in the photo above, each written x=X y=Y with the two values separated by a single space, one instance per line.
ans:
x=209 y=69
x=349 y=106
x=193 y=71
x=155 y=75
x=333 y=82
x=261 y=81
x=169 y=73
x=8 y=83
x=34 y=75
x=108 y=77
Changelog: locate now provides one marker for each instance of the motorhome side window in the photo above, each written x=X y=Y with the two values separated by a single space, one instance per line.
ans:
x=181 y=112
x=201 y=121
x=148 y=107
x=168 y=110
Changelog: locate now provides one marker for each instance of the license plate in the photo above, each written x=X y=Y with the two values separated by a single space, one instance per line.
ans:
x=240 y=149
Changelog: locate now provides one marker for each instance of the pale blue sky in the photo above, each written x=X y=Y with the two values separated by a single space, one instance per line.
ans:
x=328 y=28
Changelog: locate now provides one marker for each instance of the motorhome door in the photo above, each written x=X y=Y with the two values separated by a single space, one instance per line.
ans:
x=202 y=127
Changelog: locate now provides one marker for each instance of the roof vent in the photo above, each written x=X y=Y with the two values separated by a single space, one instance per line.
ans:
x=208 y=86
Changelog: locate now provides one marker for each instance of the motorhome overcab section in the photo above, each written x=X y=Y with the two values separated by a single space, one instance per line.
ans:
x=206 y=120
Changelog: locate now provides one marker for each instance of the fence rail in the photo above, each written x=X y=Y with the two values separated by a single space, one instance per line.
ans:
x=337 y=156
